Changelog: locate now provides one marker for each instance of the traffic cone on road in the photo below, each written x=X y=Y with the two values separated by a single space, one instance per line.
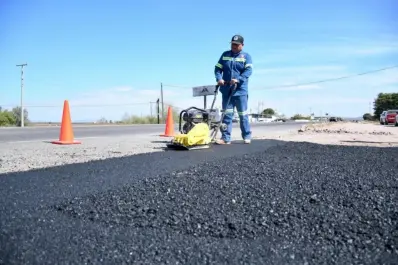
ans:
x=66 y=134
x=169 y=130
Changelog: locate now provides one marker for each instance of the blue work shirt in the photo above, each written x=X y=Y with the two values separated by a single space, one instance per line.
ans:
x=234 y=66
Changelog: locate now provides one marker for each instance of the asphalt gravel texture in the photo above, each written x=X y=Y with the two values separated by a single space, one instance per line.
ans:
x=265 y=203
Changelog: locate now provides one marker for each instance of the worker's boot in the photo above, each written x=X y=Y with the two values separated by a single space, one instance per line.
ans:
x=221 y=141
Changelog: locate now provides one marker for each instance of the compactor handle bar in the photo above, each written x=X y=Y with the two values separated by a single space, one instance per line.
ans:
x=216 y=92
x=226 y=83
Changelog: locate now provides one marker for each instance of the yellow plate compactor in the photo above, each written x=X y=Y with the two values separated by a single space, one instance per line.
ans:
x=195 y=133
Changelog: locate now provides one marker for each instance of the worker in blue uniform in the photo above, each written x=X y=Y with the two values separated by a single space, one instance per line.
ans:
x=234 y=67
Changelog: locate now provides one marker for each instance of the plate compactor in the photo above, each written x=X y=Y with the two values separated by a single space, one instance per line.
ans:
x=200 y=127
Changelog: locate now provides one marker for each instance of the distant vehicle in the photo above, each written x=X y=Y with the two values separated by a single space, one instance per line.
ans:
x=396 y=120
x=391 y=116
x=383 y=117
x=266 y=119
x=335 y=119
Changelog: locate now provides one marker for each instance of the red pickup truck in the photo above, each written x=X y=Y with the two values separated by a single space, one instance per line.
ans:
x=390 y=116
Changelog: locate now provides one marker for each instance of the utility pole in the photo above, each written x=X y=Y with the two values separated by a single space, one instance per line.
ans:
x=161 y=99
x=22 y=116
x=157 y=106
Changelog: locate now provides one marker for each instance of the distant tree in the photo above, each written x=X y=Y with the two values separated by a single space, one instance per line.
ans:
x=102 y=120
x=385 y=101
x=6 y=118
x=151 y=119
x=268 y=111
x=367 y=117
x=300 y=117
x=16 y=111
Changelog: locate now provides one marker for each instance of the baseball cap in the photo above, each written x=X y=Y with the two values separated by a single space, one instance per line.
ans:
x=238 y=39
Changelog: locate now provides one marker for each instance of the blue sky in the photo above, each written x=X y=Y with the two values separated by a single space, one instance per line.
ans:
x=108 y=58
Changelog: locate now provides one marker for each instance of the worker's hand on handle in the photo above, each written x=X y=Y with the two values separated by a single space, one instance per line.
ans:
x=234 y=81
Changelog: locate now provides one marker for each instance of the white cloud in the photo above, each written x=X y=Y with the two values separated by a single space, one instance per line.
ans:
x=298 y=69
x=337 y=49
x=298 y=64
x=281 y=77
x=122 y=89
x=344 y=97
x=317 y=100
x=302 y=87
x=367 y=47
x=114 y=102
x=319 y=105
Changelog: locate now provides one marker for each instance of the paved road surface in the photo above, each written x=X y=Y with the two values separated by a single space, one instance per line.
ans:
x=296 y=203
x=52 y=133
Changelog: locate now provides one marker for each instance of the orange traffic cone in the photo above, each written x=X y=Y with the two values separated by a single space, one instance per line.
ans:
x=169 y=131
x=66 y=134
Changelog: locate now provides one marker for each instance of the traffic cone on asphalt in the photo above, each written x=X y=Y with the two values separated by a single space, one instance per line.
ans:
x=66 y=134
x=169 y=131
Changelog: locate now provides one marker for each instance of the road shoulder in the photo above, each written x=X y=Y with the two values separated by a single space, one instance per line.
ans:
x=344 y=133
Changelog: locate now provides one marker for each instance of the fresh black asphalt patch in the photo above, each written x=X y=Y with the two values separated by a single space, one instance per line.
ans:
x=265 y=203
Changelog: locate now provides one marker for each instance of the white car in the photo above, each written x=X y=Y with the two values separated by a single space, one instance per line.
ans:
x=383 y=117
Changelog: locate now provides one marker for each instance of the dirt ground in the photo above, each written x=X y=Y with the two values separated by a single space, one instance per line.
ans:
x=345 y=133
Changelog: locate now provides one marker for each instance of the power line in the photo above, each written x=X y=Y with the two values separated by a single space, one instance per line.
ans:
x=93 y=105
x=86 y=105
x=316 y=82
x=335 y=79
x=177 y=86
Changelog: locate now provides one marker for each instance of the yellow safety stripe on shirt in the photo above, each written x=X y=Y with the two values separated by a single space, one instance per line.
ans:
x=219 y=65
x=226 y=58
x=248 y=65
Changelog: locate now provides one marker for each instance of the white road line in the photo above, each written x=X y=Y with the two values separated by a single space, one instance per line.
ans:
x=82 y=126
x=49 y=140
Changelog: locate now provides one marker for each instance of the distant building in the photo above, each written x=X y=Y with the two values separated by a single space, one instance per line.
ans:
x=253 y=117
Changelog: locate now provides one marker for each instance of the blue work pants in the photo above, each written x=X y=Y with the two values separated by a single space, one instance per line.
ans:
x=240 y=103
